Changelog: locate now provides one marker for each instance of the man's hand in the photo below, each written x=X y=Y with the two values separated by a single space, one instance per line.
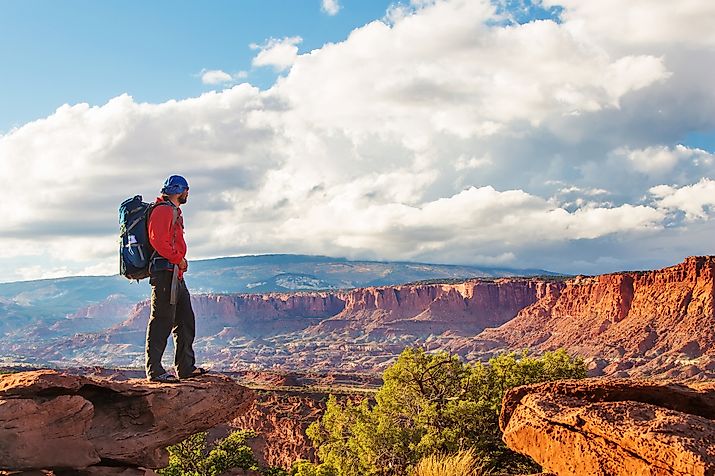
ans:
x=184 y=265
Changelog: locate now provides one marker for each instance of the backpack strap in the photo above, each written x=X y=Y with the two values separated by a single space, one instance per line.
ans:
x=174 y=211
x=174 y=219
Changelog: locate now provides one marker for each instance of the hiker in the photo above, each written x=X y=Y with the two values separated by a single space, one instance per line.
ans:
x=171 y=310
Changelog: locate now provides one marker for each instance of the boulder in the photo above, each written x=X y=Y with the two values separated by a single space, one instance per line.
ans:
x=53 y=420
x=613 y=427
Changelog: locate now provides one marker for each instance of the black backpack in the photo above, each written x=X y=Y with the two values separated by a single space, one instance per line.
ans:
x=135 y=251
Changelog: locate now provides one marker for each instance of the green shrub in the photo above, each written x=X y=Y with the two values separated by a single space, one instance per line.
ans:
x=429 y=404
x=192 y=457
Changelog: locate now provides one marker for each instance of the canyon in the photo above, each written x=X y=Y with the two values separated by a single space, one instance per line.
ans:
x=644 y=323
x=293 y=349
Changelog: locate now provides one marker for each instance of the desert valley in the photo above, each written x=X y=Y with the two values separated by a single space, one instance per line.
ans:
x=643 y=324
x=295 y=349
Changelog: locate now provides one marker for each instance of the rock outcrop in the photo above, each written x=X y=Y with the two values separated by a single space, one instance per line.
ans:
x=609 y=427
x=281 y=417
x=423 y=310
x=638 y=324
x=419 y=309
x=52 y=420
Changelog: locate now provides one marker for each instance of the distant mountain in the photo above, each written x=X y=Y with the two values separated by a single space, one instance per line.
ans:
x=283 y=273
x=34 y=313
x=246 y=274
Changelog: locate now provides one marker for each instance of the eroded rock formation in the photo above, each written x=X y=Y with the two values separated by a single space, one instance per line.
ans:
x=420 y=309
x=281 y=418
x=641 y=324
x=431 y=309
x=610 y=427
x=644 y=324
x=52 y=420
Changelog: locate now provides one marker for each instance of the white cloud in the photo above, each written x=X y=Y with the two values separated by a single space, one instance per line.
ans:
x=465 y=162
x=331 y=7
x=694 y=200
x=439 y=135
x=465 y=78
x=215 y=76
x=662 y=160
x=37 y=271
x=280 y=54
x=641 y=22
x=584 y=191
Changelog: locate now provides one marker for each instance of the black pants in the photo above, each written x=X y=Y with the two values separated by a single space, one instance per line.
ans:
x=164 y=319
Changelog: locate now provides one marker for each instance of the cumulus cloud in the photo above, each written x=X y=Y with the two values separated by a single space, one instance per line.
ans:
x=641 y=22
x=280 y=54
x=479 y=216
x=466 y=78
x=215 y=76
x=661 y=160
x=581 y=191
x=694 y=200
x=331 y=7
x=541 y=144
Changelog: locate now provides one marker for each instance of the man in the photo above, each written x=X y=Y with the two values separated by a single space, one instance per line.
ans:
x=171 y=310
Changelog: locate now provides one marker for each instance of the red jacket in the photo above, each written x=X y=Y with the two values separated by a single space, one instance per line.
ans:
x=168 y=241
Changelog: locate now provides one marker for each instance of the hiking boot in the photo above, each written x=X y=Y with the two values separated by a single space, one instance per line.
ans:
x=198 y=372
x=165 y=378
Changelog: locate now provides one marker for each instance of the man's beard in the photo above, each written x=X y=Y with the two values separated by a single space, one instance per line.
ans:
x=183 y=199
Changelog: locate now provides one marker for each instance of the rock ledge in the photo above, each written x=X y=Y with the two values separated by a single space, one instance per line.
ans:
x=613 y=427
x=56 y=421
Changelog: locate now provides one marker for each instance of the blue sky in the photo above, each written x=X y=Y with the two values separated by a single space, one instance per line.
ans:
x=88 y=51
x=517 y=133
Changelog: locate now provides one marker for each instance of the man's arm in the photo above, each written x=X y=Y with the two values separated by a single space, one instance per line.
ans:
x=160 y=234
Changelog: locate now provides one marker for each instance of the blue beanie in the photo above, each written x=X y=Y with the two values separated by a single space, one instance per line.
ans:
x=175 y=184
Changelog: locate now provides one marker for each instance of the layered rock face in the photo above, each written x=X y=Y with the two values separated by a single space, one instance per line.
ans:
x=357 y=330
x=418 y=309
x=253 y=314
x=635 y=323
x=50 y=420
x=432 y=309
x=611 y=427
x=280 y=418
x=654 y=323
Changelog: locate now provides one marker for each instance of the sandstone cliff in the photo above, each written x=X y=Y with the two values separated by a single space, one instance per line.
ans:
x=56 y=421
x=431 y=309
x=605 y=427
x=420 y=309
x=652 y=323
x=253 y=314
x=637 y=323
x=355 y=330
x=280 y=417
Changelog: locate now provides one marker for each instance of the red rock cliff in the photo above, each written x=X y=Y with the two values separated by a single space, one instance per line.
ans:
x=421 y=309
x=648 y=323
x=430 y=309
x=663 y=317
x=252 y=313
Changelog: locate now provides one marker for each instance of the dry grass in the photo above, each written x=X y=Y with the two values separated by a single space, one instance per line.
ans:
x=463 y=463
